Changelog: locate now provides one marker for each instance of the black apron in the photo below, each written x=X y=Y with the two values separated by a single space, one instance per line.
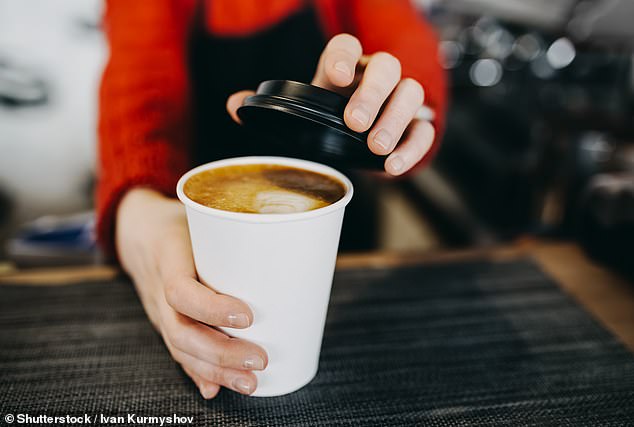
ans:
x=221 y=66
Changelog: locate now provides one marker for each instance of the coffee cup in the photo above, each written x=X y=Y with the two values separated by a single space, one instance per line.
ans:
x=280 y=264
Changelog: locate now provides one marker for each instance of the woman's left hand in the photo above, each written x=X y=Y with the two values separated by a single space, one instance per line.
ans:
x=380 y=101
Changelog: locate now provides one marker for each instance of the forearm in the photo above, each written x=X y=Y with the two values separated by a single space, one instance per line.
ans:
x=144 y=104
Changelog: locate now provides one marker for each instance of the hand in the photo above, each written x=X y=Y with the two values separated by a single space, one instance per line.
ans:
x=376 y=90
x=155 y=250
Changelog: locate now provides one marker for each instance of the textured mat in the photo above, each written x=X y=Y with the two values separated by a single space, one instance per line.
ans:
x=443 y=345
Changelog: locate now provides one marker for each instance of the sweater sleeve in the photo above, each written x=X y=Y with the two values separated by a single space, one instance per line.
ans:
x=143 y=104
x=395 y=26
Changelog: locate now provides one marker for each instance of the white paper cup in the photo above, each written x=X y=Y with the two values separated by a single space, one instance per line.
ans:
x=281 y=265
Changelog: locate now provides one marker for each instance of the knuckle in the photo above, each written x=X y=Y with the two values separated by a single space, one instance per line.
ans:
x=173 y=293
x=224 y=377
x=178 y=340
x=211 y=312
x=400 y=118
x=214 y=374
x=223 y=352
x=373 y=92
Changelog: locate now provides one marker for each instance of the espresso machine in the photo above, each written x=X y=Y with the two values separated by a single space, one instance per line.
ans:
x=540 y=133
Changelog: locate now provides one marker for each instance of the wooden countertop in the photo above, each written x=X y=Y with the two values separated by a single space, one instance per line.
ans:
x=608 y=297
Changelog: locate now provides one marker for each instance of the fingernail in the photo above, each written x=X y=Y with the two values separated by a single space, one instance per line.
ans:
x=238 y=320
x=361 y=115
x=242 y=385
x=383 y=139
x=343 y=67
x=253 y=362
x=205 y=392
x=396 y=164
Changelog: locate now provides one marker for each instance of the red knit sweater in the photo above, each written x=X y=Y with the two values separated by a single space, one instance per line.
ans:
x=144 y=123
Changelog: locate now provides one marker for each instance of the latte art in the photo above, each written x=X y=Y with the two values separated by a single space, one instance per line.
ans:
x=263 y=189
x=283 y=202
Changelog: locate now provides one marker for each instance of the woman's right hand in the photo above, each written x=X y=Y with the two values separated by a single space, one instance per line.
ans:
x=154 y=248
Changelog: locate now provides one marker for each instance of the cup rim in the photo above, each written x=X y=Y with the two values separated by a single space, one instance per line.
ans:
x=266 y=218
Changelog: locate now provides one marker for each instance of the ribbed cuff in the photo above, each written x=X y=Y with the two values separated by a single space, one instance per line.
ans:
x=109 y=197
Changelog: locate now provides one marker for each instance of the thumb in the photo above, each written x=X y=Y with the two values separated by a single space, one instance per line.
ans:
x=235 y=101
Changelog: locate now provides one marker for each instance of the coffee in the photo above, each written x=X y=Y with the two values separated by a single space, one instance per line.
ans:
x=263 y=189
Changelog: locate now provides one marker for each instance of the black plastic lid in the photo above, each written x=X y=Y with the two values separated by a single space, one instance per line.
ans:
x=307 y=121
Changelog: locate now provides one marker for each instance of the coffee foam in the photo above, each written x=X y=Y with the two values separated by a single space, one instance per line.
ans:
x=263 y=189
x=283 y=202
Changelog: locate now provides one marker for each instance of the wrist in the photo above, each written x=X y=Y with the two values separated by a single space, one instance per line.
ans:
x=138 y=197
x=138 y=220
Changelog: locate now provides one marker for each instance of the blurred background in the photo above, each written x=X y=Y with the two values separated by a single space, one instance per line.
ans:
x=539 y=139
x=51 y=57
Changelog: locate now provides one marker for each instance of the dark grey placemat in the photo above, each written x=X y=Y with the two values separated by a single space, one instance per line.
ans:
x=458 y=344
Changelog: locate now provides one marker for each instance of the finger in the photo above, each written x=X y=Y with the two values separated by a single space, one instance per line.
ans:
x=381 y=75
x=402 y=107
x=241 y=381
x=193 y=299
x=410 y=151
x=188 y=296
x=209 y=377
x=212 y=346
x=235 y=101
x=338 y=62
x=208 y=390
